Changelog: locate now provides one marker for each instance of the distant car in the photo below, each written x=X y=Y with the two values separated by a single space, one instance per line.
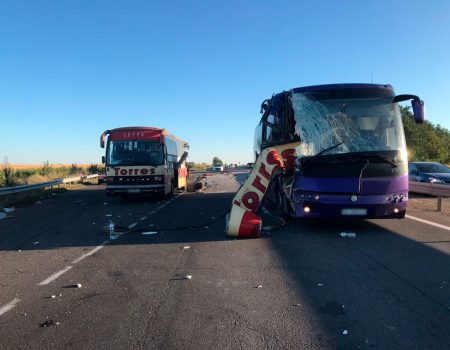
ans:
x=102 y=176
x=218 y=167
x=429 y=172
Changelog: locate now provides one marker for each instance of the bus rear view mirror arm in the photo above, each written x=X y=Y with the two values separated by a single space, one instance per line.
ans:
x=418 y=106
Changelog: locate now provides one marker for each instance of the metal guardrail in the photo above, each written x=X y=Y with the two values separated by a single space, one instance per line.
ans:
x=437 y=190
x=16 y=189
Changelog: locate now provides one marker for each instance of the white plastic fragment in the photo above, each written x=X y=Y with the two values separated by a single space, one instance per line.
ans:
x=112 y=231
x=53 y=296
x=344 y=332
x=78 y=285
x=348 y=234
x=186 y=247
x=8 y=210
x=149 y=233
x=108 y=215
x=259 y=286
x=188 y=277
x=37 y=242
x=2 y=216
x=320 y=284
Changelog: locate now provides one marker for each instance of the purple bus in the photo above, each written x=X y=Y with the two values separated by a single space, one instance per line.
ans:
x=351 y=159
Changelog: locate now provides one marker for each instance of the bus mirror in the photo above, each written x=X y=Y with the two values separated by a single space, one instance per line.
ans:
x=418 y=107
x=103 y=159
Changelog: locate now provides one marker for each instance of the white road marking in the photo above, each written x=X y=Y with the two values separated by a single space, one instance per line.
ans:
x=55 y=276
x=428 y=222
x=9 y=306
x=132 y=225
x=96 y=249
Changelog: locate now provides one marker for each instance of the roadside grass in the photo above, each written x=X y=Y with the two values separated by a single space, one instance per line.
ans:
x=16 y=175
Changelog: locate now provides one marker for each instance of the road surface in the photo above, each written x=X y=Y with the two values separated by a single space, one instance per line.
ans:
x=185 y=285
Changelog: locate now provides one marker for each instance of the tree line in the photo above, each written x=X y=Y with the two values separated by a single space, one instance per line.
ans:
x=426 y=142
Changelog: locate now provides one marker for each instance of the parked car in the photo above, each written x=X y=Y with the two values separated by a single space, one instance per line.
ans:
x=429 y=172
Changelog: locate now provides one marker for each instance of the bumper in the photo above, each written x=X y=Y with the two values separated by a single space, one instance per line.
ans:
x=143 y=189
x=341 y=206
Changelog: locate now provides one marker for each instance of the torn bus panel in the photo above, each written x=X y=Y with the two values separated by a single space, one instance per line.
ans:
x=243 y=220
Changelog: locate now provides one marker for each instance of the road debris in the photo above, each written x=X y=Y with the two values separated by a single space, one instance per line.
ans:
x=186 y=247
x=8 y=210
x=149 y=233
x=37 y=242
x=77 y=285
x=2 y=216
x=348 y=234
x=320 y=284
x=344 y=332
x=259 y=286
x=112 y=231
x=47 y=323
x=53 y=297
x=188 y=277
x=108 y=215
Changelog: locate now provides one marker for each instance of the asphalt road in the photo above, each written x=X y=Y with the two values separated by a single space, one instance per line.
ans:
x=187 y=286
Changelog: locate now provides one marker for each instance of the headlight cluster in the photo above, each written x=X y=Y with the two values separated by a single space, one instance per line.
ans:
x=435 y=180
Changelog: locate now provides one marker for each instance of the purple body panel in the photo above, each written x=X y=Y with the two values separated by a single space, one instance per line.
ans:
x=382 y=197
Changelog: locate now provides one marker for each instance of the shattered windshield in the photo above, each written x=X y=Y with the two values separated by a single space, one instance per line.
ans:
x=358 y=125
x=135 y=153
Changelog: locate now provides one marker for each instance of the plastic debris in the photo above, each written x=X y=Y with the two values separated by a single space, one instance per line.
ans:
x=8 y=210
x=112 y=231
x=78 y=285
x=186 y=247
x=2 y=216
x=108 y=215
x=53 y=296
x=344 y=332
x=105 y=203
x=259 y=286
x=348 y=234
x=188 y=277
x=37 y=242
x=149 y=233
x=320 y=284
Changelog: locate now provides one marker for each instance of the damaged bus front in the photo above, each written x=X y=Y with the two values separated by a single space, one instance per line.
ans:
x=347 y=154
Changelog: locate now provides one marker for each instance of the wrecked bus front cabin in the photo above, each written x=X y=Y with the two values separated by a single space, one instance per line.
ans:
x=351 y=158
x=143 y=160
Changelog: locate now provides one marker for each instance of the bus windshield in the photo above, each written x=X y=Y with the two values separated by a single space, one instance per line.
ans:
x=354 y=124
x=133 y=152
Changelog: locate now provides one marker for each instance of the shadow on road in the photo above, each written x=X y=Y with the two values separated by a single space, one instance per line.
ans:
x=382 y=289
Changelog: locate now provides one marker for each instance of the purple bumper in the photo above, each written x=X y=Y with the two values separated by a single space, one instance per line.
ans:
x=340 y=197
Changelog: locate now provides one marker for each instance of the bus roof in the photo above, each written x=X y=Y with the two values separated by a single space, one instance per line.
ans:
x=331 y=91
x=151 y=133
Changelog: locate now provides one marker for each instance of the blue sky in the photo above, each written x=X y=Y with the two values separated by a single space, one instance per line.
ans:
x=71 y=69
